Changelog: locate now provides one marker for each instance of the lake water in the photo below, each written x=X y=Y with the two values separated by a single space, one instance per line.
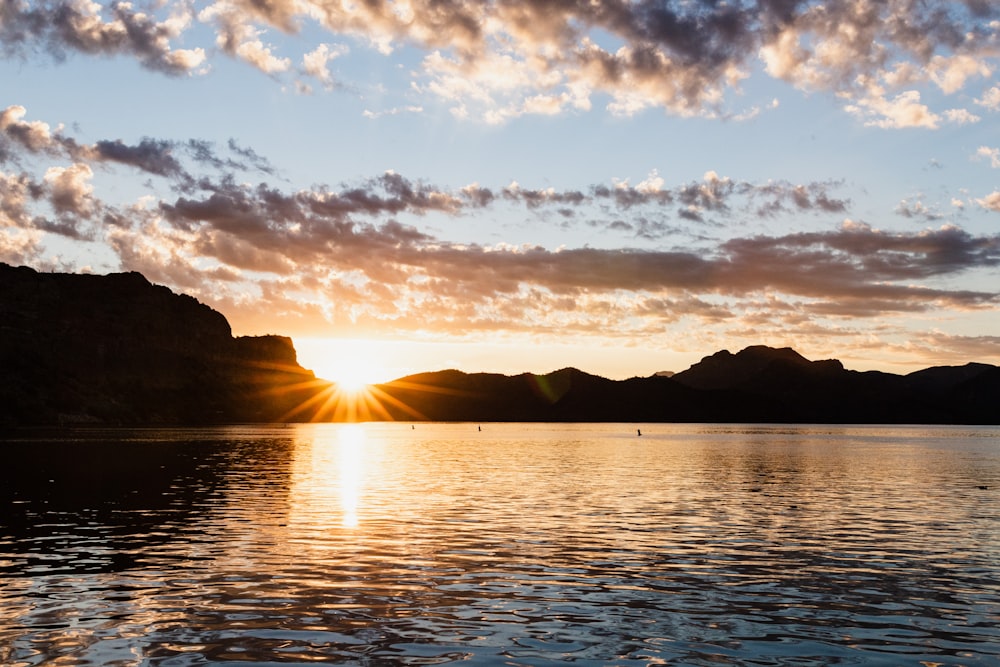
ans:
x=540 y=544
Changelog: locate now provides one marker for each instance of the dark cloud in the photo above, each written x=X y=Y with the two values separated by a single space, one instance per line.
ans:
x=251 y=160
x=158 y=157
x=852 y=264
x=859 y=261
x=58 y=27
x=66 y=226
x=150 y=155
x=720 y=195
x=626 y=196
x=64 y=196
x=538 y=198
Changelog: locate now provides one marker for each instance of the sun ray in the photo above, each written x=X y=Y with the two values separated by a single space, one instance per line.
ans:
x=304 y=397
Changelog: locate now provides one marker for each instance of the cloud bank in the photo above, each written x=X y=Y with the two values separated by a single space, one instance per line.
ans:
x=347 y=256
x=893 y=63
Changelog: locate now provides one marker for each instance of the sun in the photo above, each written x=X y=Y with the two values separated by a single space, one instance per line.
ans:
x=351 y=364
x=353 y=375
x=347 y=374
x=346 y=378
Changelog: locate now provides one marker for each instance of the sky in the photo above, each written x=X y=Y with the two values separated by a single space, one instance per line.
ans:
x=515 y=186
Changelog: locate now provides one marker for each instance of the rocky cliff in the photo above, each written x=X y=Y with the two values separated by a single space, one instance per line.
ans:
x=117 y=349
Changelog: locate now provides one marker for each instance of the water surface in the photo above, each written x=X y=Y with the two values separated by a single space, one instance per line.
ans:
x=540 y=544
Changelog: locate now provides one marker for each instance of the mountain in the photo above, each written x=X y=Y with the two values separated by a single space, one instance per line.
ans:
x=757 y=384
x=116 y=349
x=565 y=395
x=784 y=386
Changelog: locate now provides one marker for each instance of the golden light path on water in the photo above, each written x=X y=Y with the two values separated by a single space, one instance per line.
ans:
x=327 y=478
x=521 y=544
x=350 y=445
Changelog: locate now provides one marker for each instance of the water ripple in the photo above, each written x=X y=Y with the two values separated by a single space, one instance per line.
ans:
x=519 y=545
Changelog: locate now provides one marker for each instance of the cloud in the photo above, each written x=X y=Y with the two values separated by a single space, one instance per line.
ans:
x=990 y=99
x=347 y=253
x=951 y=73
x=855 y=269
x=960 y=116
x=990 y=202
x=35 y=136
x=149 y=155
x=395 y=111
x=20 y=246
x=17 y=191
x=903 y=111
x=219 y=197
x=883 y=256
x=993 y=154
x=316 y=62
x=239 y=38
x=498 y=61
x=70 y=189
x=917 y=209
x=943 y=348
x=158 y=157
x=57 y=27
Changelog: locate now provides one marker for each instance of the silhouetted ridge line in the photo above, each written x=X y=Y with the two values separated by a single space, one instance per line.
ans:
x=117 y=349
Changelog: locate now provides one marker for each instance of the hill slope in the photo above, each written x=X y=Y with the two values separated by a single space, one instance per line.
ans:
x=117 y=349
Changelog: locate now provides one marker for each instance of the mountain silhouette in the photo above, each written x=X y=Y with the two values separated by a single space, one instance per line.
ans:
x=758 y=384
x=116 y=349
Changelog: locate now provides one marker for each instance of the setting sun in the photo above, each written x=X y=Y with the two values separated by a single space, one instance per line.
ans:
x=352 y=365
x=353 y=375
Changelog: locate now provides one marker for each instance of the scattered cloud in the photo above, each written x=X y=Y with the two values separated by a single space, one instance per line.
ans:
x=316 y=62
x=498 y=61
x=60 y=27
x=960 y=116
x=990 y=99
x=157 y=157
x=70 y=190
x=917 y=209
x=992 y=154
x=349 y=255
x=990 y=202
x=903 y=111
x=395 y=111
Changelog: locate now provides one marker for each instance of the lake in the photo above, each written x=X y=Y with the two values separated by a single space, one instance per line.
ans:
x=518 y=544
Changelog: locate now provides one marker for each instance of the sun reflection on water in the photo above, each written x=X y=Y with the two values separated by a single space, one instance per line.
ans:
x=327 y=479
x=351 y=448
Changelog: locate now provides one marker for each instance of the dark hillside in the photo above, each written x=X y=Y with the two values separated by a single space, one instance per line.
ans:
x=117 y=349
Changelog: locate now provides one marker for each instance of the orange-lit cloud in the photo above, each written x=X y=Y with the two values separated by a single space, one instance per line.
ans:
x=215 y=222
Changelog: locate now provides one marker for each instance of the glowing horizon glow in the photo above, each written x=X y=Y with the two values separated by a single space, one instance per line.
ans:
x=351 y=364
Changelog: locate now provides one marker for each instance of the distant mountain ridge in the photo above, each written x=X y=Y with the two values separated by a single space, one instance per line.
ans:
x=757 y=384
x=117 y=349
